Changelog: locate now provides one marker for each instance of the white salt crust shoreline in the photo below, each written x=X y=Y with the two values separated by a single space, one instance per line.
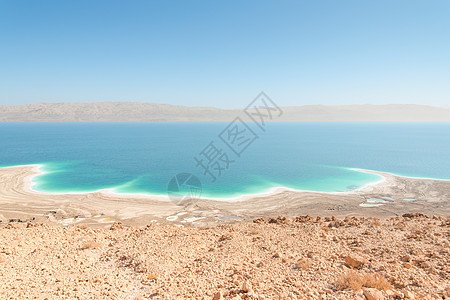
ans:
x=36 y=170
x=20 y=201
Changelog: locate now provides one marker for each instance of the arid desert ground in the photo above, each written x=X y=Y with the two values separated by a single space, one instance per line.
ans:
x=370 y=243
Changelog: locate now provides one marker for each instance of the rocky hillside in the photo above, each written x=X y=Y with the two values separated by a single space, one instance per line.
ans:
x=301 y=258
x=153 y=112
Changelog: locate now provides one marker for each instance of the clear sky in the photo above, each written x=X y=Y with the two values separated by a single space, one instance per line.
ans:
x=222 y=53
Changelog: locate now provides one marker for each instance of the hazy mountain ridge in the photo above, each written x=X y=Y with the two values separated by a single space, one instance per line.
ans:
x=154 y=112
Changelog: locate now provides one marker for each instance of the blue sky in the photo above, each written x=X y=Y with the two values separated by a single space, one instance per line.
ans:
x=223 y=53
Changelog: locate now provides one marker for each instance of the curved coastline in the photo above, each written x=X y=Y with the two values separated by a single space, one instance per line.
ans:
x=20 y=201
x=377 y=172
x=37 y=168
x=30 y=184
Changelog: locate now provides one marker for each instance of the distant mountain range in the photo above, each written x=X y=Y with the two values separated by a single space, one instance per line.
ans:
x=153 y=112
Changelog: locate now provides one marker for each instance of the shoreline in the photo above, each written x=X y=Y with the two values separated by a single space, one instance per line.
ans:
x=19 y=201
x=390 y=173
x=37 y=168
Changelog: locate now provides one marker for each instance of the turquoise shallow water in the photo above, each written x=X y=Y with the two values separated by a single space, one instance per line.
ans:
x=143 y=157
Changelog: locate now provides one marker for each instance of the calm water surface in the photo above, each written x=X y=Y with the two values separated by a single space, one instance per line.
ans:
x=143 y=157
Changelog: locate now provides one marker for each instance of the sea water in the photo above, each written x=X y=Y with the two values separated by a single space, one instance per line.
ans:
x=144 y=157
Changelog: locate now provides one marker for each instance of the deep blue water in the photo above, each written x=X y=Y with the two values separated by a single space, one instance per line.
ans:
x=143 y=157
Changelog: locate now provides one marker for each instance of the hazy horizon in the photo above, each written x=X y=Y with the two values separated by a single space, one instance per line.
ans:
x=221 y=108
x=155 y=112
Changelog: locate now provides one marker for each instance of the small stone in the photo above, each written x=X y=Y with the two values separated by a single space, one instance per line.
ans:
x=303 y=263
x=259 y=220
x=278 y=255
x=247 y=287
x=6 y=251
x=252 y=295
x=116 y=226
x=409 y=295
x=398 y=294
x=354 y=262
x=373 y=294
x=218 y=296
x=405 y=258
x=152 y=276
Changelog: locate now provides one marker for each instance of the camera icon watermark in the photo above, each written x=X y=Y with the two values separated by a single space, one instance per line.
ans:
x=222 y=152
x=184 y=189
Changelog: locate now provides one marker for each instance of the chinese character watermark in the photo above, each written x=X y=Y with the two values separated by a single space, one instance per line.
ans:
x=262 y=109
x=236 y=137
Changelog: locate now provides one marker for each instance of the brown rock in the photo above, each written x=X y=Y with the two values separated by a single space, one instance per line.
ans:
x=409 y=295
x=405 y=258
x=304 y=219
x=247 y=287
x=303 y=263
x=279 y=220
x=355 y=262
x=218 y=296
x=413 y=215
x=116 y=226
x=278 y=255
x=259 y=221
x=373 y=294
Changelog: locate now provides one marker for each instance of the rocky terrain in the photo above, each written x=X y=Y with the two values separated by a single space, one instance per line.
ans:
x=405 y=257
